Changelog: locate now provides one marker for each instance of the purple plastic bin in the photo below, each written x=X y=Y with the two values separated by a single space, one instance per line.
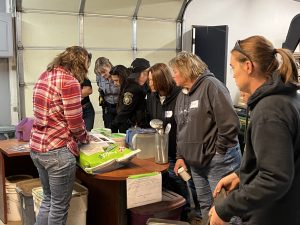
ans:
x=23 y=129
x=169 y=208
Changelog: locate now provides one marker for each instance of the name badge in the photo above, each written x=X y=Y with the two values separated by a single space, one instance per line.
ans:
x=194 y=104
x=168 y=114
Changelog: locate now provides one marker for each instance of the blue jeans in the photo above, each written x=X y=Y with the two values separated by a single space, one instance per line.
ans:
x=56 y=170
x=206 y=179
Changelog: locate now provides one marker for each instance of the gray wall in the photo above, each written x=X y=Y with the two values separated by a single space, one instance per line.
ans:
x=2 y=6
x=5 y=117
x=270 y=18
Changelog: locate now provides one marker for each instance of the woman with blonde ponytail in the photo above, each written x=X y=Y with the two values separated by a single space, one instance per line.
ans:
x=265 y=191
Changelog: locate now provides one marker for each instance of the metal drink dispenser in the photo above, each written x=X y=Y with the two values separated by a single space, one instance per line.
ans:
x=161 y=141
x=161 y=148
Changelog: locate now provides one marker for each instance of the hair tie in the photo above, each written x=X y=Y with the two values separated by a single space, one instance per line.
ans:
x=274 y=51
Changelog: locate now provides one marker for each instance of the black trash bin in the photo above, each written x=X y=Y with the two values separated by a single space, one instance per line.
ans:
x=24 y=190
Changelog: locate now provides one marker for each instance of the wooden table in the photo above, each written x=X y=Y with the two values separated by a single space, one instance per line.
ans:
x=12 y=162
x=107 y=191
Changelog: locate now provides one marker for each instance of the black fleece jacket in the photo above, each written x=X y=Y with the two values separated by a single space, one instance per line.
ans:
x=269 y=192
x=165 y=112
x=206 y=121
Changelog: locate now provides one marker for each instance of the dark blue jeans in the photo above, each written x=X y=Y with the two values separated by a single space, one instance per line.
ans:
x=57 y=174
x=173 y=182
x=178 y=185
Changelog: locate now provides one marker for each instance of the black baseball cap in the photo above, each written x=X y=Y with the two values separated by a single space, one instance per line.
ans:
x=138 y=65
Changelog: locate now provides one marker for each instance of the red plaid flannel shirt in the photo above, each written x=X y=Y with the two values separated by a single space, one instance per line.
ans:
x=57 y=112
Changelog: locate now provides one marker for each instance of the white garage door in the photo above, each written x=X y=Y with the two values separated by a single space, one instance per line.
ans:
x=120 y=30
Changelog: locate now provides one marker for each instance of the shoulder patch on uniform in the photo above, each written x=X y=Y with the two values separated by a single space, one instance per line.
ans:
x=127 y=100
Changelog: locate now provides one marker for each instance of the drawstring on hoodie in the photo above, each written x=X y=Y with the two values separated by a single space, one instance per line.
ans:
x=246 y=126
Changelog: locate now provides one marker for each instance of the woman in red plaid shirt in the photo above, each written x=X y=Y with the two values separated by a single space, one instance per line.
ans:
x=58 y=128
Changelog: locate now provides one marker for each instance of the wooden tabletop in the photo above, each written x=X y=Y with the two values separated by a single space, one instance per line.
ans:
x=136 y=166
x=13 y=147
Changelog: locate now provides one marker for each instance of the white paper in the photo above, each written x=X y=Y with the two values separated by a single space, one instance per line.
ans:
x=91 y=148
x=194 y=104
x=100 y=138
x=97 y=143
x=168 y=114
x=143 y=190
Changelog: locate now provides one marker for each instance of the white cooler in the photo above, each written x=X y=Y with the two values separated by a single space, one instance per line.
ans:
x=78 y=204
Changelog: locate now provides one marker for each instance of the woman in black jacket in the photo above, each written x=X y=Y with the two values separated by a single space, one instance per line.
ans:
x=161 y=102
x=269 y=177
x=160 y=105
x=119 y=75
x=131 y=109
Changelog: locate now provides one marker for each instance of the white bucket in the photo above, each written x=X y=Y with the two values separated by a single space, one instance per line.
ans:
x=78 y=204
x=13 y=203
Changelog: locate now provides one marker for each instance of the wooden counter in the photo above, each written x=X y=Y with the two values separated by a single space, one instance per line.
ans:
x=107 y=191
x=136 y=166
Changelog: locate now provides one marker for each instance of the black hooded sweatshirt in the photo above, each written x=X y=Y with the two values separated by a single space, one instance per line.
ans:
x=269 y=192
x=206 y=121
x=165 y=112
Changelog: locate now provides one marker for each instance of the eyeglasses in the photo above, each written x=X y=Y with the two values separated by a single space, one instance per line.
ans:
x=238 y=48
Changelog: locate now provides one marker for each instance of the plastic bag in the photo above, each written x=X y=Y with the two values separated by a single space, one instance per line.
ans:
x=104 y=159
x=23 y=129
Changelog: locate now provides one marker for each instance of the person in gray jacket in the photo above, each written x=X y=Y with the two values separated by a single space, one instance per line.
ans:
x=207 y=126
x=269 y=177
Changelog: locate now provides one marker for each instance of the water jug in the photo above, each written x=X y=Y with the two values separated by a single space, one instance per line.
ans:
x=145 y=142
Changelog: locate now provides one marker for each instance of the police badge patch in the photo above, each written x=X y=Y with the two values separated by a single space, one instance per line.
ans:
x=127 y=100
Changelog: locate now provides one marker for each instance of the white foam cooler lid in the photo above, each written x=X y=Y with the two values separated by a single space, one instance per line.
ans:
x=77 y=191
x=11 y=181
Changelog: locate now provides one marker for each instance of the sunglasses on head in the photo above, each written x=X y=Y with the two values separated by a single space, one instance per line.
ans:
x=238 y=48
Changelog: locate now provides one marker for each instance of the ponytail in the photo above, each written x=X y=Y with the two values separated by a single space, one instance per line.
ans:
x=261 y=51
x=288 y=69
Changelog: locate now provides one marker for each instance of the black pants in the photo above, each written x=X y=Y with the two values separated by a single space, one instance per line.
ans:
x=88 y=115
x=109 y=112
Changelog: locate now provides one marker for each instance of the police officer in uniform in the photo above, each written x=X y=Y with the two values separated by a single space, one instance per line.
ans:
x=108 y=92
x=132 y=103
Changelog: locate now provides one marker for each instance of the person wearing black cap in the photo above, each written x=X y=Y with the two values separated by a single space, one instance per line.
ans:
x=132 y=105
